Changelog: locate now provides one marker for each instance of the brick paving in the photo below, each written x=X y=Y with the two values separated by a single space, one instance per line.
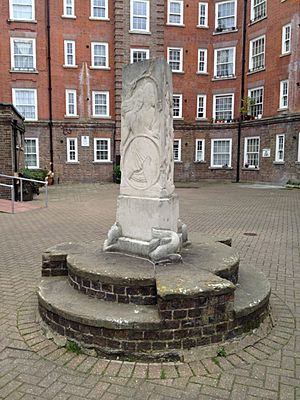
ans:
x=264 y=223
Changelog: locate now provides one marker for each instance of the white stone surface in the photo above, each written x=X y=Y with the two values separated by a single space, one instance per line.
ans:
x=147 y=222
x=138 y=215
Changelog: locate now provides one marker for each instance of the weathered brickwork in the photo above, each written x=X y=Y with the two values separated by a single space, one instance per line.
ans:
x=114 y=292
x=12 y=146
x=201 y=322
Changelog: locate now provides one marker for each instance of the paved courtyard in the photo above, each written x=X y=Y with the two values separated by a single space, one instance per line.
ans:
x=264 y=223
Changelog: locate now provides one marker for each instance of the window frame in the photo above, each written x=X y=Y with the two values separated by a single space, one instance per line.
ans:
x=37 y=166
x=216 y=65
x=212 y=153
x=65 y=6
x=136 y=30
x=255 y=104
x=74 y=91
x=203 y=150
x=93 y=17
x=204 y=61
x=69 y=150
x=12 y=53
x=247 y=138
x=281 y=95
x=215 y=103
x=284 y=39
x=66 y=42
x=277 y=149
x=94 y=93
x=180 y=70
x=205 y=25
x=108 y=160
x=34 y=90
x=179 y=150
x=105 y=44
x=179 y=96
x=217 y=29
x=132 y=50
x=169 y=12
x=204 y=106
x=252 y=13
x=251 y=68
x=11 y=12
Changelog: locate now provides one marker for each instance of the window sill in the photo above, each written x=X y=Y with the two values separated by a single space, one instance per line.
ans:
x=225 y=31
x=99 y=19
x=179 y=25
x=200 y=162
x=202 y=73
x=278 y=162
x=200 y=119
x=69 y=16
x=140 y=32
x=23 y=71
x=250 y=169
x=101 y=68
x=221 y=168
x=257 y=70
x=177 y=72
x=202 y=26
x=283 y=109
x=101 y=116
x=72 y=162
x=285 y=54
x=253 y=22
x=30 y=21
x=102 y=162
x=177 y=161
x=70 y=66
x=224 y=78
x=178 y=118
x=36 y=167
x=71 y=116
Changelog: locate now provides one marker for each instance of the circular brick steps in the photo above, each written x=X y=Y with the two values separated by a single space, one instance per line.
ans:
x=169 y=308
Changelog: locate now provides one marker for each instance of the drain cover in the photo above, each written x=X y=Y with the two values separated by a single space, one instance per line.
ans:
x=250 y=234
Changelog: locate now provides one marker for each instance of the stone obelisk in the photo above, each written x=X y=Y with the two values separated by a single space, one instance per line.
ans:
x=147 y=222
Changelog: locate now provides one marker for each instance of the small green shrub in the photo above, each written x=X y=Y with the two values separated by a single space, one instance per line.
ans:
x=162 y=374
x=73 y=347
x=117 y=174
x=37 y=174
x=221 y=352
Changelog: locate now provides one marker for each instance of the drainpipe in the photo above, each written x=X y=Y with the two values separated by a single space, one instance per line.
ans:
x=242 y=91
x=50 y=123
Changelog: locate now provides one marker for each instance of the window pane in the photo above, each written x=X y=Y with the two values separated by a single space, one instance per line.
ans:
x=22 y=9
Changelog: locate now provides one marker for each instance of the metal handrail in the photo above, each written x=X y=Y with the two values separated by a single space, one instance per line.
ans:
x=12 y=191
x=21 y=185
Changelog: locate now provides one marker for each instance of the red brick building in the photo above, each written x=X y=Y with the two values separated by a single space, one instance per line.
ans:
x=235 y=70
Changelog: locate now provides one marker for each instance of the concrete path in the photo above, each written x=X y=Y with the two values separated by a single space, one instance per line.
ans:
x=265 y=226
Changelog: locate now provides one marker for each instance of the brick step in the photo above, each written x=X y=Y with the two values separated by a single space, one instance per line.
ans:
x=113 y=277
x=57 y=296
x=252 y=291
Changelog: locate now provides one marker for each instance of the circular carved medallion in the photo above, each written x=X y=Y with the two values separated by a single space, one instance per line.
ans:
x=141 y=163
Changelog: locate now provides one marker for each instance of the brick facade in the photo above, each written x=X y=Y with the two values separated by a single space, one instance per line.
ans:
x=116 y=32
x=12 y=145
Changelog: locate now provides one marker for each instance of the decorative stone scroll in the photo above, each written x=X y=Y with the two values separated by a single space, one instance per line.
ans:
x=148 y=209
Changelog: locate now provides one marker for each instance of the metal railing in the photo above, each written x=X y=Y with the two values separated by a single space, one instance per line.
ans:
x=17 y=178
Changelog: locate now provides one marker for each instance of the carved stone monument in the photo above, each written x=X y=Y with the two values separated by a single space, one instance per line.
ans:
x=148 y=209
x=149 y=293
